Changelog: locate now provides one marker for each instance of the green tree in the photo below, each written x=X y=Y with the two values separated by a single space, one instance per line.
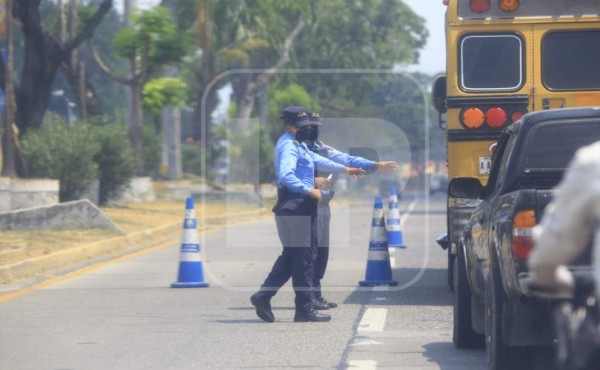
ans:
x=358 y=34
x=43 y=55
x=152 y=42
x=164 y=91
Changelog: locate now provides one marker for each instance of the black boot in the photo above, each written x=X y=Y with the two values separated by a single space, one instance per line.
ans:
x=311 y=316
x=262 y=302
x=323 y=302
x=318 y=305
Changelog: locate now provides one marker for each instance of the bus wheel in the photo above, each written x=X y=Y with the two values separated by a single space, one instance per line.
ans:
x=463 y=334
x=499 y=355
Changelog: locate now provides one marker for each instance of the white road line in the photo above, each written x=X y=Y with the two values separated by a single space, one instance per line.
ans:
x=372 y=320
x=362 y=364
x=405 y=215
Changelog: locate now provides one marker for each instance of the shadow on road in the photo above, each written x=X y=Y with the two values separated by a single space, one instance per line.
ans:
x=428 y=290
x=445 y=356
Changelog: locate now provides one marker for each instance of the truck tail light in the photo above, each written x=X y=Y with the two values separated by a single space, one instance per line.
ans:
x=495 y=117
x=523 y=224
x=480 y=6
x=509 y=5
x=472 y=117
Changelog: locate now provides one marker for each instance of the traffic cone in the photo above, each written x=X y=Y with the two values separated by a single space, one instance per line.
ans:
x=379 y=270
x=393 y=225
x=191 y=274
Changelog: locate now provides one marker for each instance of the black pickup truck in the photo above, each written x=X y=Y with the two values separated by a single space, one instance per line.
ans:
x=491 y=307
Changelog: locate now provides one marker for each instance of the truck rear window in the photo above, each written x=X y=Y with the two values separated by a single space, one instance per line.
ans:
x=551 y=147
x=570 y=60
x=491 y=62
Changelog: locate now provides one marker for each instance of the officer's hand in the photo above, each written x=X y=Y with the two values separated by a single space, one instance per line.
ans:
x=322 y=183
x=315 y=194
x=354 y=172
x=390 y=166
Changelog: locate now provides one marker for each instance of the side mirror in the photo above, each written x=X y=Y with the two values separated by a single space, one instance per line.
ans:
x=438 y=94
x=466 y=187
x=438 y=97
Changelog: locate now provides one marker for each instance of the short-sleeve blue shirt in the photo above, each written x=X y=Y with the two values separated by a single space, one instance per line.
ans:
x=295 y=165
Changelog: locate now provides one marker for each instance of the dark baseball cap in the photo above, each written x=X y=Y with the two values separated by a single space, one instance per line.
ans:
x=297 y=116
x=315 y=117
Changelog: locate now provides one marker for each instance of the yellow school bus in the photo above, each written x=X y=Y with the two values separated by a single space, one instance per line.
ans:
x=505 y=58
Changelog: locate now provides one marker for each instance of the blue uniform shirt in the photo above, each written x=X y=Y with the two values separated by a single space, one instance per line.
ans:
x=295 y=165
x=341 y=158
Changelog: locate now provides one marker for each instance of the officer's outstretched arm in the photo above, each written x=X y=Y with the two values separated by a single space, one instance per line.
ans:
x=354 y=172
x=389 y=166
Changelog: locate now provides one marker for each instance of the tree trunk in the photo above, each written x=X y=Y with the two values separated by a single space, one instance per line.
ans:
x=246 y=101
x=244 y=111
x=82 y=90
x=43 y=55
x=171 y=128
x=135 y=124
x=8 y=136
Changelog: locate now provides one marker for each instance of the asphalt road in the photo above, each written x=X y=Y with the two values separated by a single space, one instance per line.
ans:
x=124 y=315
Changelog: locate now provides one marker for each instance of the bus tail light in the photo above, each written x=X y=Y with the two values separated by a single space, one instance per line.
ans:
x=472 y=117
x=495 y=117
x=522 y=241
x=516 y=115
x=480 y=6
x=509 y=5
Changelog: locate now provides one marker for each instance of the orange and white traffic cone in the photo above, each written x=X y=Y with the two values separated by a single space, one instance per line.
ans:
x=191 y=274
x=379 y=269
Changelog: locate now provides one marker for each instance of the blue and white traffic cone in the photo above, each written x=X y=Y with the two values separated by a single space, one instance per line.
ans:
x=191 y=274
x=393 y=224
x=379 y=270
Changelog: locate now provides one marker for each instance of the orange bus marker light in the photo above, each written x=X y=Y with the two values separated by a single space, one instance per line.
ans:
x=472 y=117
x=509 y=5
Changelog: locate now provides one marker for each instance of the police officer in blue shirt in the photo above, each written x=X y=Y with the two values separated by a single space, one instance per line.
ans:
x=295 y=216
x=323 y=181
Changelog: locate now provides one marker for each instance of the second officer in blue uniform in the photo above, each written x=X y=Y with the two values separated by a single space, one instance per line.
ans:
x=323 y=182
x=295 y=216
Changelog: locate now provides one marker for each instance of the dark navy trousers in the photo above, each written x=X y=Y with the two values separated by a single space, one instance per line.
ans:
x=321 y=255
x=297 y=229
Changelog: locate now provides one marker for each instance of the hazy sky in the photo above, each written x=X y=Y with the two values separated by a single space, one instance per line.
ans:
x=433 y=56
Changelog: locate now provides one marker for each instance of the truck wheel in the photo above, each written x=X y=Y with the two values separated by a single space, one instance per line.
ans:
x=463 y=334
x=451 y=259
x=499 y=355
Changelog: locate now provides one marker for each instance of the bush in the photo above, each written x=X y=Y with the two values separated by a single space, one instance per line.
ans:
x=116 y=162
x=64 y=153
x=191 y=158
x=152 y=151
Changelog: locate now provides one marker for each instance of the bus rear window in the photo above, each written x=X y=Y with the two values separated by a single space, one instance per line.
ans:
x=491 y=62
x=570 y=60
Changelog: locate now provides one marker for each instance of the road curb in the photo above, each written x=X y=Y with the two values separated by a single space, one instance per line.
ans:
x=134 y=242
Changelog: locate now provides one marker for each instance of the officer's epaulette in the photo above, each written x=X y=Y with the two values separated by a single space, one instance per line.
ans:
x=296 y=142
x=325 y=146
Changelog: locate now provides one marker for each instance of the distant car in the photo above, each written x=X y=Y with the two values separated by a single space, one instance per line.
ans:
x=491 y=305
x=438 y=182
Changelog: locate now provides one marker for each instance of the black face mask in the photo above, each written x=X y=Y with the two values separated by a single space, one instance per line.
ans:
x=310 y=132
